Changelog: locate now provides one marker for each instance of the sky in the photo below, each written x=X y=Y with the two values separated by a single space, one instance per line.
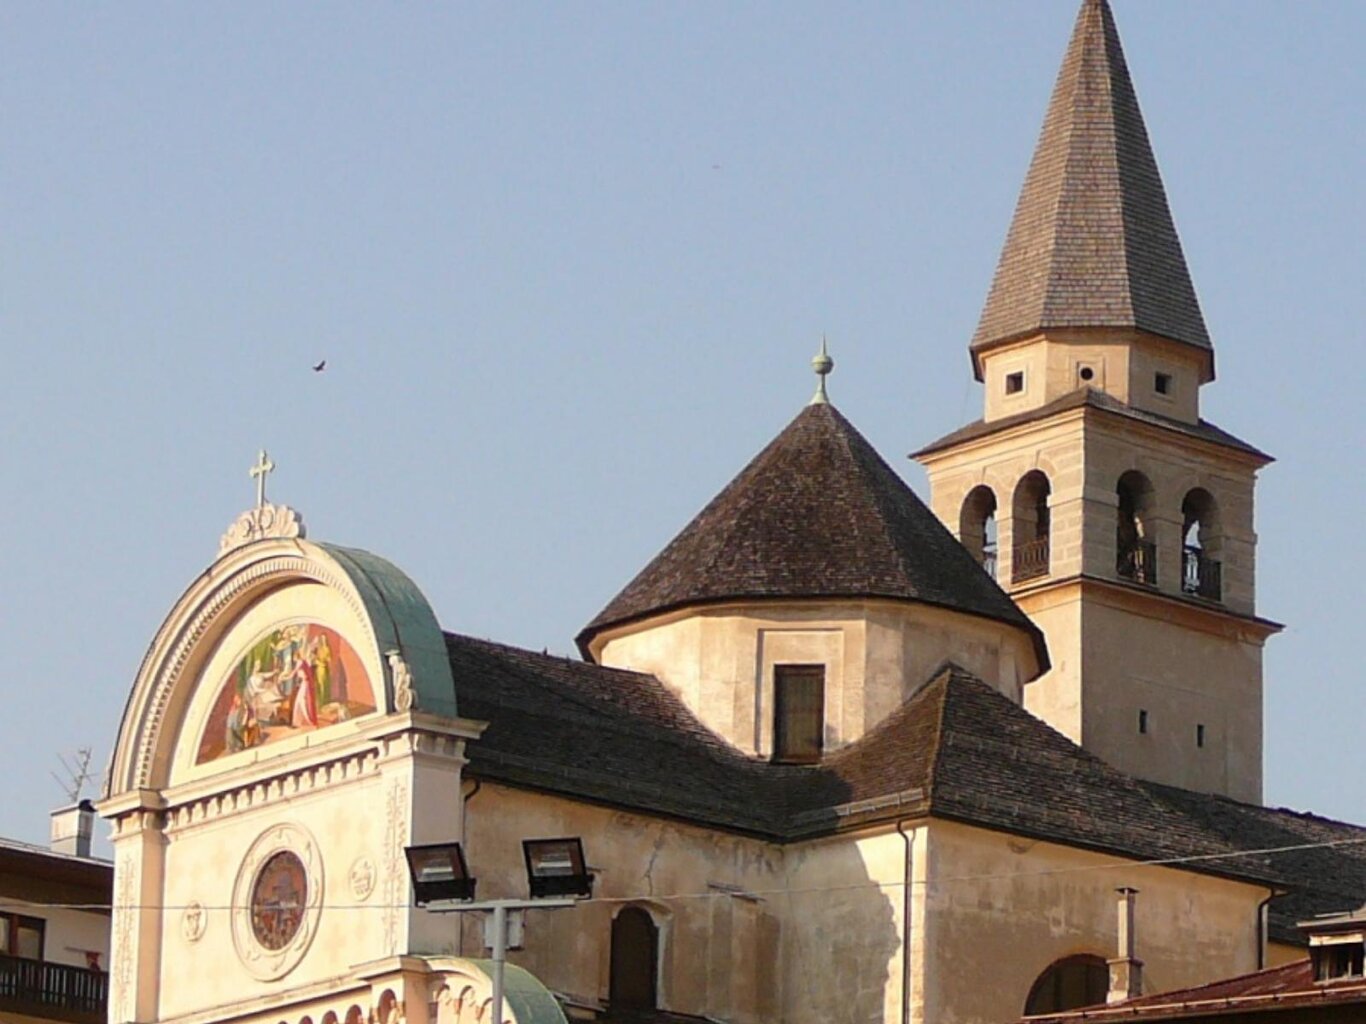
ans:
x=568 y=263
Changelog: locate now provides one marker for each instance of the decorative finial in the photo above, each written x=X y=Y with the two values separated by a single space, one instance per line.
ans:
x=265 y=520
x=822 y=364
x=263 y=468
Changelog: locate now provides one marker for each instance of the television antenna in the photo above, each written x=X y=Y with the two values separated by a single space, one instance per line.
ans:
x=75 y=774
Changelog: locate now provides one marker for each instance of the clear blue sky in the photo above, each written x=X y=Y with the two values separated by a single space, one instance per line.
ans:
x=568 y=263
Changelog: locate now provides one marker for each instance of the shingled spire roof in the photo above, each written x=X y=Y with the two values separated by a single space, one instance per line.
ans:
x=1092 y=243
x=816 y=514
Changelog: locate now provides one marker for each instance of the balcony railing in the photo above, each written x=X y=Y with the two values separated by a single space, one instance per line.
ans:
x=37 y=988
x=989 y=561
x=1138 y=562
x=1029 y=560
x=1201 y=576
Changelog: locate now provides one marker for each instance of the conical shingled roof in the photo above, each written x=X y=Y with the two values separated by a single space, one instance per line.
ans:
x=1092 y=243
x=816 y=514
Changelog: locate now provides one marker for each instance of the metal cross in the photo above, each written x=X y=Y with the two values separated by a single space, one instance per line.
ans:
x=259 y=472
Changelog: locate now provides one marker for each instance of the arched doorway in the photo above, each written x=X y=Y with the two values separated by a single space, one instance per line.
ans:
x=1069 y=984
x=635 y=960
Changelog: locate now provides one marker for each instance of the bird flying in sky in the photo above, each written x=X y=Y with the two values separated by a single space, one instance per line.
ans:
x=320 y=367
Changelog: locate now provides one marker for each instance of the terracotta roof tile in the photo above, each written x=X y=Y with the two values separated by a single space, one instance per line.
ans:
x=1282 y=989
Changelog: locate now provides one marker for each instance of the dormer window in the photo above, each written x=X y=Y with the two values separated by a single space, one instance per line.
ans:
x=798 y=713
x=1015 y=382
x=1337 y=960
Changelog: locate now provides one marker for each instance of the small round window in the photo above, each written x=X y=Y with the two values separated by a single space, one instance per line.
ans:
x=1086 y=373
x=278 y=898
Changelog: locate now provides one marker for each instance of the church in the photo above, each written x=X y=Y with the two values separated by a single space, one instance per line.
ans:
x=835 y=754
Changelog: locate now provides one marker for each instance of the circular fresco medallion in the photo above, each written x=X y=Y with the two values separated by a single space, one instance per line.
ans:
x=277 y=901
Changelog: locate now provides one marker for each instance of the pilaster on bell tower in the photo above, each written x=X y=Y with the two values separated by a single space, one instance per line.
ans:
x=1117 y=518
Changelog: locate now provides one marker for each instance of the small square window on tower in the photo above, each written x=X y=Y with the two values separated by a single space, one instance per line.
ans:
x=1015 y=382
x=1143 y=722
x=1199 y=735
x=1162 y=383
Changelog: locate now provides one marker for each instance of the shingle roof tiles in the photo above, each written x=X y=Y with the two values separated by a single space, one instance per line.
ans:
x=816 y=514
x=957 y=749
x=1092 y=242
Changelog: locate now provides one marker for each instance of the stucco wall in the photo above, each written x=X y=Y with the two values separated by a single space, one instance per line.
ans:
x=822 y=941
x=750 y=931
x=1184 y=677
x=1121 y=362
x=346 y=821
x=720 y=660
x=718 y=950
x=843 y=926
x=1000 y=910
x=68 y=934
x=1183 y=659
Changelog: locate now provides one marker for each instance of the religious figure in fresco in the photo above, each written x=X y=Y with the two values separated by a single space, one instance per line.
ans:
x=305 y=690
x=322 y=667
x=262 y=693
x=295 y=679
x=240 y=730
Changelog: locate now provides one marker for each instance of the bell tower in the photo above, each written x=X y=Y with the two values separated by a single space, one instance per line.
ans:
x=1117 y=518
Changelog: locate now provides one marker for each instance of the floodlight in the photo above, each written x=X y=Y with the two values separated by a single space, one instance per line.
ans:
x=439 y=873
x=555 y=867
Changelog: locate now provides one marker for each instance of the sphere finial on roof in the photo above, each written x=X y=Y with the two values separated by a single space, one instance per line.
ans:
x=822 y=364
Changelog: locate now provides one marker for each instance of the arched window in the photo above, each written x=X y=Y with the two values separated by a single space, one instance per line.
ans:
x=977 y=526
x=1135 y=549
x=1031 y=524
x=635 y=960
x=1201 y=569
x=1069 y=984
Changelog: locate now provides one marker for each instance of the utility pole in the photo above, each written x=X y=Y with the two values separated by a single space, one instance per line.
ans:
x=498 y=941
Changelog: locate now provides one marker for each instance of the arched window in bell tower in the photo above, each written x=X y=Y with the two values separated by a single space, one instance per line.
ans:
x=1201 y=568
x=1031 y=524
x=977 y=526
x=1135 y=550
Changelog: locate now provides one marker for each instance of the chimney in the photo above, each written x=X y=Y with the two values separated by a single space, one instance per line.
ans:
x=72 y=827
x=1126 y=970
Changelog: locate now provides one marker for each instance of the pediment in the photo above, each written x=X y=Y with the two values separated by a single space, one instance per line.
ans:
x=283 y=644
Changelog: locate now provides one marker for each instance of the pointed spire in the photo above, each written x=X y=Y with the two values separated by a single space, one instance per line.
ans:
x=822 y=364
x=1092 y=243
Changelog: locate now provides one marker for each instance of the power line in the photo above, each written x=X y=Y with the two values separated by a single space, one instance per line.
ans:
x=728 y=893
